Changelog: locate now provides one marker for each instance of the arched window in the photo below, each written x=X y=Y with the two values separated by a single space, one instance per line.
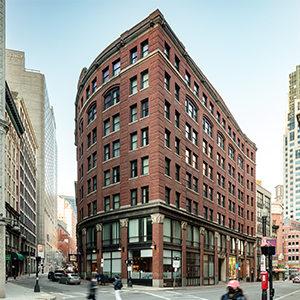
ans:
x=207 y=127
x=92 y=113
x=111 y=98
x=191 y=109
x=220 y=141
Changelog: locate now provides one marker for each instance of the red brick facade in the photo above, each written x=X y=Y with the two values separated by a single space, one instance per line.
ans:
x=185 y=186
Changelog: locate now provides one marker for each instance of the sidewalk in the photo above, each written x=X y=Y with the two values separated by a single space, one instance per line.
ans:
x=14 y=291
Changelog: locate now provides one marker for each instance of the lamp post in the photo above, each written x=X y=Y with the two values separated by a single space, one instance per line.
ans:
x=269 y=251
x=37 y=287
x=264 y=213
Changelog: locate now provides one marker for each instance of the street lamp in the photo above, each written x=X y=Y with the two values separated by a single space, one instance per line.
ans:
x=37 y=287
x=264 y=214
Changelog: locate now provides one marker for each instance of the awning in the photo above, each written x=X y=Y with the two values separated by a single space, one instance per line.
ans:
x=17 y=256
x=279 y=270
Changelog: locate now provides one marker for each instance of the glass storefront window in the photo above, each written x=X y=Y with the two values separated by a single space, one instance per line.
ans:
x=140 y=230
x=172 y=231
x=142 y=266
x=193 y=268
x=111 y=234
x=232 y=267
x=208 y=269
x=111 y=264
x=91 y=263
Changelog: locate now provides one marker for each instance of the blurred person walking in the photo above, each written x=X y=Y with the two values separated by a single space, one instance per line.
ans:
x=234 y=291
x=118 y=285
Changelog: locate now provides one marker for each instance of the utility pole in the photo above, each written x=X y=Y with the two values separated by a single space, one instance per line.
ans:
x=3 y=130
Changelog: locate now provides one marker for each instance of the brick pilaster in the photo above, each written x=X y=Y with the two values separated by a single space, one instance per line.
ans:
x=183 y=254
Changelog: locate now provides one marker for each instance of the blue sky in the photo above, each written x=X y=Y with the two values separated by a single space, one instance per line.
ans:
x=245 y=48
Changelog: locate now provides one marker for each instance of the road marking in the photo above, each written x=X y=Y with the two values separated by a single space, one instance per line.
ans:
x=282 y=297
x=156 y=295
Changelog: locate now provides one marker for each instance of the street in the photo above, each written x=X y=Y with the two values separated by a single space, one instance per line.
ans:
x=283 y=290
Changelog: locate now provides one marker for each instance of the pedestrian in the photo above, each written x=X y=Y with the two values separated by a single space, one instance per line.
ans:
x=234 y=291
x=98 y=277
x=92 y=289
x=118 y=285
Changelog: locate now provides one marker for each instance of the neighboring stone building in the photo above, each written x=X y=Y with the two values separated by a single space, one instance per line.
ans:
x=65 y=212
x=28 y=182
x=279 y=194
x=164 y=170
x=14 y=259
x=31 y=85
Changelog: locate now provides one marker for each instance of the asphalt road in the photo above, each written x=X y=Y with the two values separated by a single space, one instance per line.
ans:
x=283 y=291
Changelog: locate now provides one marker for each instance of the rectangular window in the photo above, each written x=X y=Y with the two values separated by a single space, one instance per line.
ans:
x=211 y=108
x=89 y=163
x=145 y=108
x=134 y=169
x=94 y=183
x=88 y=93
x=167 y=110
x=188 y=180
x=187 y=131
x=89 y=209
x=145 y=165
x=177 y=172
x=133 y=197
x=177 y=119
x=167 y=138
x=188 y=158
x=145 y=137
x=195 y=137
x=105 y=75
x=116 y=122
x=195 y=161
x=195 y=184
x=177 y=199
x=133 y=85
x=177 y=89
x=94 y=85
x=144 y=79
x=188 y=78
x=94 y=207
x=94 y=159
x=167 y=195
x=144 y=48
x=205 y=148
x=145 y=194
x=177 y=146
x=167 y=166
x=133 y=55
x=89 y=140
x=167 y=81
x=205 y=190
x=133 y=141
x=116 y=174
x=116 y=148
x=196 y=89
x=107 y=203
x=94 y=132
x=107 y=178
x=89 y=186
x=133 y=113
x=107 y=152
x=167 y=51
x=116 y=67
x=204 y=99
x=116 y=201
x=195 y=208
x=188 y=205
x=177 y=61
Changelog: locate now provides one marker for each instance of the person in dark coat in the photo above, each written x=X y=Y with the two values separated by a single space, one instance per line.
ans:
x=92 y=289
x=234 y=291
x=117 y=285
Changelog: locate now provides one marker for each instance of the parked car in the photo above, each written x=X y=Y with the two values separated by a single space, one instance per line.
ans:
x=56 y=276
x=296 y=279
x=50 y=274
x=69 y=279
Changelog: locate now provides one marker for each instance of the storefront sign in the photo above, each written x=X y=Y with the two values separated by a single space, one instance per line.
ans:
x=263 y=263
x=72 y=258
x=7 y=256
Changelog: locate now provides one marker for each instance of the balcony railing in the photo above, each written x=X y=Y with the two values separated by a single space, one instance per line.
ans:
x=210 y=247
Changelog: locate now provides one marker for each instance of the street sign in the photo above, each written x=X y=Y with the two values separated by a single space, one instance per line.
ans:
x=263 y=263
x=129 y=268
x=7 y=256
x=175 y=269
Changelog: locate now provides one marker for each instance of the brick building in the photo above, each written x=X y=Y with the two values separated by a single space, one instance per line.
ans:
x=164 y=170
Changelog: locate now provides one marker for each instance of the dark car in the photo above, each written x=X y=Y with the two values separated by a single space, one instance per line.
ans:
x=70 y=279
x=50 y=274
x=56 y=276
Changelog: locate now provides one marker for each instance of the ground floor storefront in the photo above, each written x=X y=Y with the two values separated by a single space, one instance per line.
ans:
x=164 y=249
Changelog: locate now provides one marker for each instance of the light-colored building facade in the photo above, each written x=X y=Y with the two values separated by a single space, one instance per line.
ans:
x=31 y=85
x=65 y=213
x=72 y=201
x=28 y=183
x=291 y=150
x=263 y=199
x=279 y=194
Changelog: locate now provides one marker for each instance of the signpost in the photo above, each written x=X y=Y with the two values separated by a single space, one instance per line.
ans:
x=176 y=265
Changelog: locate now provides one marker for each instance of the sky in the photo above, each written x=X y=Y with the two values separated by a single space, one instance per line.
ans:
x=246 y=48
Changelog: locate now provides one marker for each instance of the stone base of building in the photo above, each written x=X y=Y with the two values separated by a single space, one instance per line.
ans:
x=157 y=282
